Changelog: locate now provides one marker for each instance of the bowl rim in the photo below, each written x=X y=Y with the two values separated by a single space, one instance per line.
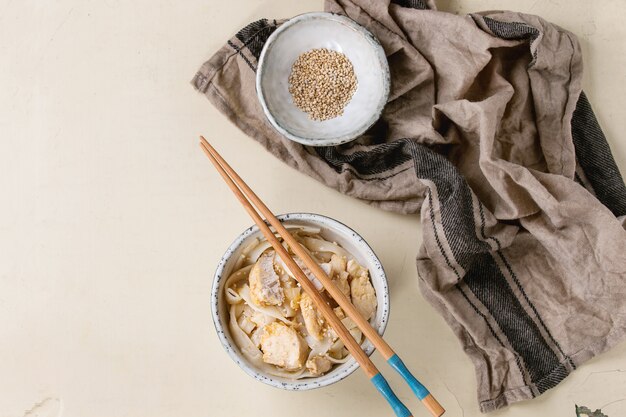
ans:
x=310 y=383
x=380 y=52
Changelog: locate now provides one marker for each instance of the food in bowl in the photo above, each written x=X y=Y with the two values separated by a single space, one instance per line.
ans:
x=332 y=231
x=321 y=83
x=275 y=324
x=315 y=31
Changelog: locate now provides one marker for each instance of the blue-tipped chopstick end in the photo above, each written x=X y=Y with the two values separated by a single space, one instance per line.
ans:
x=418 y=389
x=383 y=387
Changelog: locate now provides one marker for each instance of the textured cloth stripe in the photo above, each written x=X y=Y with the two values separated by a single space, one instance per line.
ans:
x=487 y=283
x=242 y=55
x=532 y=306
x=495 y=335
x=455 y=202
x=595 y=158
x=412 y=4
x=514 y=31
x=378 y=160
x=254 y=35
x=483 y=276
x=511 y=30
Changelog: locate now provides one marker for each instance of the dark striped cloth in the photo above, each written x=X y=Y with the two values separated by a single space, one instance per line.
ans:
x=488 y=136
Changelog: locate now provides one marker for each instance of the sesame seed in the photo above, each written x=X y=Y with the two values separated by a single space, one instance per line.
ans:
x=322 y=82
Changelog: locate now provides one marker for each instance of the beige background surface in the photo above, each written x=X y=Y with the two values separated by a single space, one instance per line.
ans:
x=112 y=221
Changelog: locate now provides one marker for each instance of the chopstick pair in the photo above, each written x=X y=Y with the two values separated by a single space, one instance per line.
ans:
x=239 y=188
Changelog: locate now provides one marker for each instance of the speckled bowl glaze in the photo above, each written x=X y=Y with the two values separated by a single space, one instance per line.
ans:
x=335 y=32
x=333 y=231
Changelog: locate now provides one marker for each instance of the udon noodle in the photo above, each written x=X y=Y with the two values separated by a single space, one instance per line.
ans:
x=275 y=324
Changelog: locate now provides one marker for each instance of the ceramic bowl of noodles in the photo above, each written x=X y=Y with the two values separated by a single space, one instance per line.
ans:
x=271 y=328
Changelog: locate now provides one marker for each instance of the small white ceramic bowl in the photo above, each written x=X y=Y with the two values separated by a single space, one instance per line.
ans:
x=334 y=32
x=333 y=231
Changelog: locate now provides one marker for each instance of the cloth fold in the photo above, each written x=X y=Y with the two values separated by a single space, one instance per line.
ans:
x=489 y=137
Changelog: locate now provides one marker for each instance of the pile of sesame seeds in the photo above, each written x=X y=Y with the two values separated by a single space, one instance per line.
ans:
x=322 y=83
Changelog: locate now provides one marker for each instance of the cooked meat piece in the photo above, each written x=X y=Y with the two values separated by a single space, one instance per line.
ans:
x=245 y=322
x=265 y=289
x=356 y=270
x=261 y=319
x=337 y=263
x=341 y=281
x=363 y=296
x=339 y=312
x=308 y=273
x=318 y=365
x=282 y=346
x=313 y=319
x=256 y=335
x=292 y=297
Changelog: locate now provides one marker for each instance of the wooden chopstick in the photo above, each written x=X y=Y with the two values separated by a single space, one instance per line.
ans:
x=352 y=345
x=381 y=345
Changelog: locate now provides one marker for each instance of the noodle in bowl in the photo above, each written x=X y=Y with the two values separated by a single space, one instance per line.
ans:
x=230 y=295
